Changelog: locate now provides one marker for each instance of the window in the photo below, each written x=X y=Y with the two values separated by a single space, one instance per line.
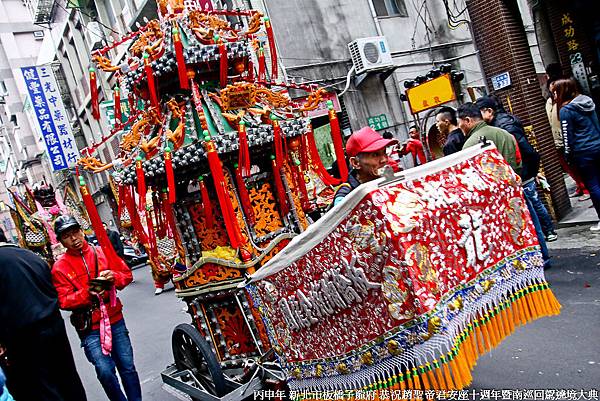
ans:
x=38 y=35
x=389 y=8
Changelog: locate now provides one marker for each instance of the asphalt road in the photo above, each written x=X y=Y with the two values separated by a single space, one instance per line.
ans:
x=561 y=352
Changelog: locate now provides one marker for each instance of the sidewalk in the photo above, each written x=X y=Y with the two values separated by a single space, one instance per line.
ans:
x=583 y=213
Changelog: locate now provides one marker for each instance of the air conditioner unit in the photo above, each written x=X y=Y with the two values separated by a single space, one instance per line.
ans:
x=93 y=34
x=370 y=54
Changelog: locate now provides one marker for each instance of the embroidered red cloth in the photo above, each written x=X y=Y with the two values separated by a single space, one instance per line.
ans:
x=390 y=280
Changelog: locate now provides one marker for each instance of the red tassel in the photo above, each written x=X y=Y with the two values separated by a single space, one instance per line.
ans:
x=170 y=175
x=151 y=235
x=303 y=153
x=250 y=76
x=94 y=94
x=121 y=201
x=272 y=48
x=151 y=83
x=90 y=206
x=181 y=68
x=336 y=136
x=169 y=216
x=283 y=204
x=141 y=183
x=134 y=215
x=223 y=64
x=301 y=185
x=244 y=150
x=216 y=170
x=277 y=138
x=117 y=106
x=131 y=101
x=161 y=228
x=206 y=205
x=261 y=65
x=244 y=196
x=327 y=178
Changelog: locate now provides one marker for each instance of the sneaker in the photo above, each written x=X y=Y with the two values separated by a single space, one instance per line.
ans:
x=552 y=236
x=158 y=291
x=596 y=227
x=584 y=197
x=575 y=194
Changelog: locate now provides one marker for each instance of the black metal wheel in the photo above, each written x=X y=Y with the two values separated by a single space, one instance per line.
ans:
x=192 y=352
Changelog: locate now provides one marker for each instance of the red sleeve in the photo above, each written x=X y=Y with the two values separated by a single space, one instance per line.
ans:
x=123 y=275
x=69 y=297
x=121 y=271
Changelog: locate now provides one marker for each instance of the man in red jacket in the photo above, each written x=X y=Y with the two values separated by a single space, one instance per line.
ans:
x=106 y=343
x=414 y=146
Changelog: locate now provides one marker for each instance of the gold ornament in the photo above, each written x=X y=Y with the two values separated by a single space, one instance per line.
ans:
x=367 y=358
x=319 y=370
x=342 y=369
x=487 y=284
x=434 y=325
x=456 y=304
x=393 y=347
x=518 y=264
x=296 y=373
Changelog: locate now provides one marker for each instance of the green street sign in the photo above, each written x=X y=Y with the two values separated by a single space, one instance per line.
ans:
x=378 y=122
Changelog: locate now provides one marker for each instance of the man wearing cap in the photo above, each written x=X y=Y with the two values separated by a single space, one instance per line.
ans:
x=366 y=149
x=97 y=312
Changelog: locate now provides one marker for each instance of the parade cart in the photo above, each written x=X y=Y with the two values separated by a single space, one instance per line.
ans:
x=218 y=169
x=217 y=172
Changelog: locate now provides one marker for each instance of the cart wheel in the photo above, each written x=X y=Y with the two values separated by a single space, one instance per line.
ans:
x=192 y=352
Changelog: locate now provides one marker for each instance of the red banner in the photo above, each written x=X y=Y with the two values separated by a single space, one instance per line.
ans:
x=390 y=280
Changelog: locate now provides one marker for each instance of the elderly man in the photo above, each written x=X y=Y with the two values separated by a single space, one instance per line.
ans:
x=86 y=284
x=367 y=152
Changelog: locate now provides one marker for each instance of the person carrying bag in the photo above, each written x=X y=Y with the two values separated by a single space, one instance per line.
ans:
x=86 y=285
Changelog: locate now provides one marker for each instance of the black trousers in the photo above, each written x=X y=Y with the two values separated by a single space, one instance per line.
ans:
x=41 y=365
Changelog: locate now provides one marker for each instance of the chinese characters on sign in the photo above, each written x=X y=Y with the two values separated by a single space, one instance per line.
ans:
x=430 y=94
x=501 y=81
x=52 y=118
x=577 y=65
x=378 y=122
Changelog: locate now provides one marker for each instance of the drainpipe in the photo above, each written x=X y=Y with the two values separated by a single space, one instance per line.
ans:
x=375 y=18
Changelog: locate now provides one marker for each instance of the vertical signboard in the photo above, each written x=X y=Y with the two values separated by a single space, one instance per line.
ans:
x=51 y=115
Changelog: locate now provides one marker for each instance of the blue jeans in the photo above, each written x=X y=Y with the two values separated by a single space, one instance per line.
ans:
x=538 y=232
x=589 y=168
x=531 y=193
x=121 y=358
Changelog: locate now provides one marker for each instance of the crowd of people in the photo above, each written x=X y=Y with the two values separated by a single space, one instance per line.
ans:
x=570 y=113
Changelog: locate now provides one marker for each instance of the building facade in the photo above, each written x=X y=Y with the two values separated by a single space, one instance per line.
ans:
x=22 y=152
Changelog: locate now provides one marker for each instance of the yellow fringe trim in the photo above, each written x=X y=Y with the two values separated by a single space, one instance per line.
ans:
x=453 y=370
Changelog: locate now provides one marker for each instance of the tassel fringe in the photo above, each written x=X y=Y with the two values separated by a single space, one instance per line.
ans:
x=452 y=370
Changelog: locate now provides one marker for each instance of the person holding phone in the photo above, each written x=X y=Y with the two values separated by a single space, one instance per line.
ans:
x=86 y=285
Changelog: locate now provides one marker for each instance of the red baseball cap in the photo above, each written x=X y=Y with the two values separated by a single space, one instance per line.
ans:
x=367 y=139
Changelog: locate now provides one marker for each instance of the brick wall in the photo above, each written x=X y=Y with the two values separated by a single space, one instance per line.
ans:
x=503 y=47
